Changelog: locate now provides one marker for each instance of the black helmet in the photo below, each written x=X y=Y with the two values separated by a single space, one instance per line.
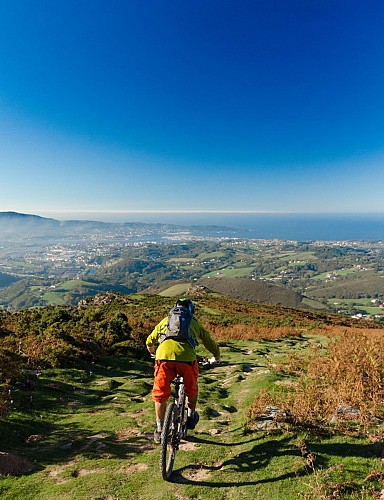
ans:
x=186 y=303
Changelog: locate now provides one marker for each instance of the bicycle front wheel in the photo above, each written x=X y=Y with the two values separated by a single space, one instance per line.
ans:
x=169 y=442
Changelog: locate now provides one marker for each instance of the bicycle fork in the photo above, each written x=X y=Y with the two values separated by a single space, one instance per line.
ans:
x=180 y=417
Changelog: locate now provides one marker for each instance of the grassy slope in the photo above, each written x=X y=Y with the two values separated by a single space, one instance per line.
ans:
x=255 y=291
x=93 y=435
x=175 y=290
x=355 y=284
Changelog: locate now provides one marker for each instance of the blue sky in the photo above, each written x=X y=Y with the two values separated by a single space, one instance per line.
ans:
x=269 y=105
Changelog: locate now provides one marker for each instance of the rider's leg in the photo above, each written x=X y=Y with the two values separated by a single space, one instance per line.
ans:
x=193 y=416
x=192 y=400
x=161 y=392
x=190 y=374
x=192 y=390
x=160 y=410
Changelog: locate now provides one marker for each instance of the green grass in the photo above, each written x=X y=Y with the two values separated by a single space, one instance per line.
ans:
x=214 y=312
x=335 y=273
x=363 y=303
x=54 y=298
x=57 y=296
x=314 y=304
x=301 y=256
x=211 y=255
x=95 y=425
x=175 y=290
x=229 y=273
x=72 y=284
x=182 y=259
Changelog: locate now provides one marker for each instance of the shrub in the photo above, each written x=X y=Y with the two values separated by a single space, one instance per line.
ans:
x=10 y=371
x=343 y=386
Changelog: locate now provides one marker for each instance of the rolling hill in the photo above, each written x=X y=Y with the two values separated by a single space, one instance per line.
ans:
x=77 y=416
x=253 y=291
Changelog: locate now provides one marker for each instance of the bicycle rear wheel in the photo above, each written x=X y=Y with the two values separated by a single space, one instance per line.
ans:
x=169 y=442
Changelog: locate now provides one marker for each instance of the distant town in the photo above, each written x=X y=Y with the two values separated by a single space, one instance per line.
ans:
x=42 y=264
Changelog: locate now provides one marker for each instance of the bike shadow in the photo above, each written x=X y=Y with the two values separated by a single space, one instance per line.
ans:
x=200 y=440
x=257 y=458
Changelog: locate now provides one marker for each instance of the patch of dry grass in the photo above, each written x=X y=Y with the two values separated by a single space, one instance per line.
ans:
x=342 y=386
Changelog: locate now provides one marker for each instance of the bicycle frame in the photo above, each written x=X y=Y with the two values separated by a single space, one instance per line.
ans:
x=175 y=429
x=180 y=402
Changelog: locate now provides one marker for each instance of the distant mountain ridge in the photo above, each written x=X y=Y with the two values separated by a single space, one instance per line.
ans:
x=19 y=222
x=19 y=219
x=20 y=216
x=15 y=222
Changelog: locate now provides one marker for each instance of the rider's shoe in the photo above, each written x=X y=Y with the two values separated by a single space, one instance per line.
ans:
x=157 y=437
x=192 y=420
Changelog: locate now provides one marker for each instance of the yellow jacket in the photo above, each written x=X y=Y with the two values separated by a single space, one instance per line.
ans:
x=175 y=350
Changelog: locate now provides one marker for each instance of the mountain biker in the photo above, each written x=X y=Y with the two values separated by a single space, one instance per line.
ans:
x=174 y=357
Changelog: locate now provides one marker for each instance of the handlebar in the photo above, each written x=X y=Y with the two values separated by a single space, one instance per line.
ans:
x=208 y=361
x=200 y=359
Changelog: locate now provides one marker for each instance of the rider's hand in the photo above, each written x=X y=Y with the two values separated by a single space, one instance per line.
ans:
x=151 y=351
x=214 y=360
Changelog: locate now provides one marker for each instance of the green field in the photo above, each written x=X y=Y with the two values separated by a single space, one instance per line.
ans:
x=54 y=298
x=86 y=434
x=339 y=272
x=182 y=260
x=230 y=273
x=72 y=284
x=56 y=295
x=302 y=256
x=211 y=255
x=313 y=303
x=175 y=290
x=364 y=304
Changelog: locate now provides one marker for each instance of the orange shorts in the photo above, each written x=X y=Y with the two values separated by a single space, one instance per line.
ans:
x=166 y=371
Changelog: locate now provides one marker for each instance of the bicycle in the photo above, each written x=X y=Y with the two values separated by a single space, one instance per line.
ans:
x=175 y=423
x=174 y=428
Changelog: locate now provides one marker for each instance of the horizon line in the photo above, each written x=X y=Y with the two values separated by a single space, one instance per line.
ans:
x=146 y=211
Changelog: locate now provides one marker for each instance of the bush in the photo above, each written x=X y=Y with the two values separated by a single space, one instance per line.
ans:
x=10 y=372
x=344 y=386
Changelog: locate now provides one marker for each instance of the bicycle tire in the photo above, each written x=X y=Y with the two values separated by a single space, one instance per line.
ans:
x=168 y=442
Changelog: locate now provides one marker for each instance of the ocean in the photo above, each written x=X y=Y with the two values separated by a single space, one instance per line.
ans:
x=298 y=227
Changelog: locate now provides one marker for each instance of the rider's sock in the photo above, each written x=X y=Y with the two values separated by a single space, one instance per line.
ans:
x=159 y=424
x=192 y=420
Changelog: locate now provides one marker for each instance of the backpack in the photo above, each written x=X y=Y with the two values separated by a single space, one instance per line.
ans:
x=179 y=326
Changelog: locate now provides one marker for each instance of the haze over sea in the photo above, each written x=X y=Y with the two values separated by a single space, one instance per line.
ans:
x=286 y=226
